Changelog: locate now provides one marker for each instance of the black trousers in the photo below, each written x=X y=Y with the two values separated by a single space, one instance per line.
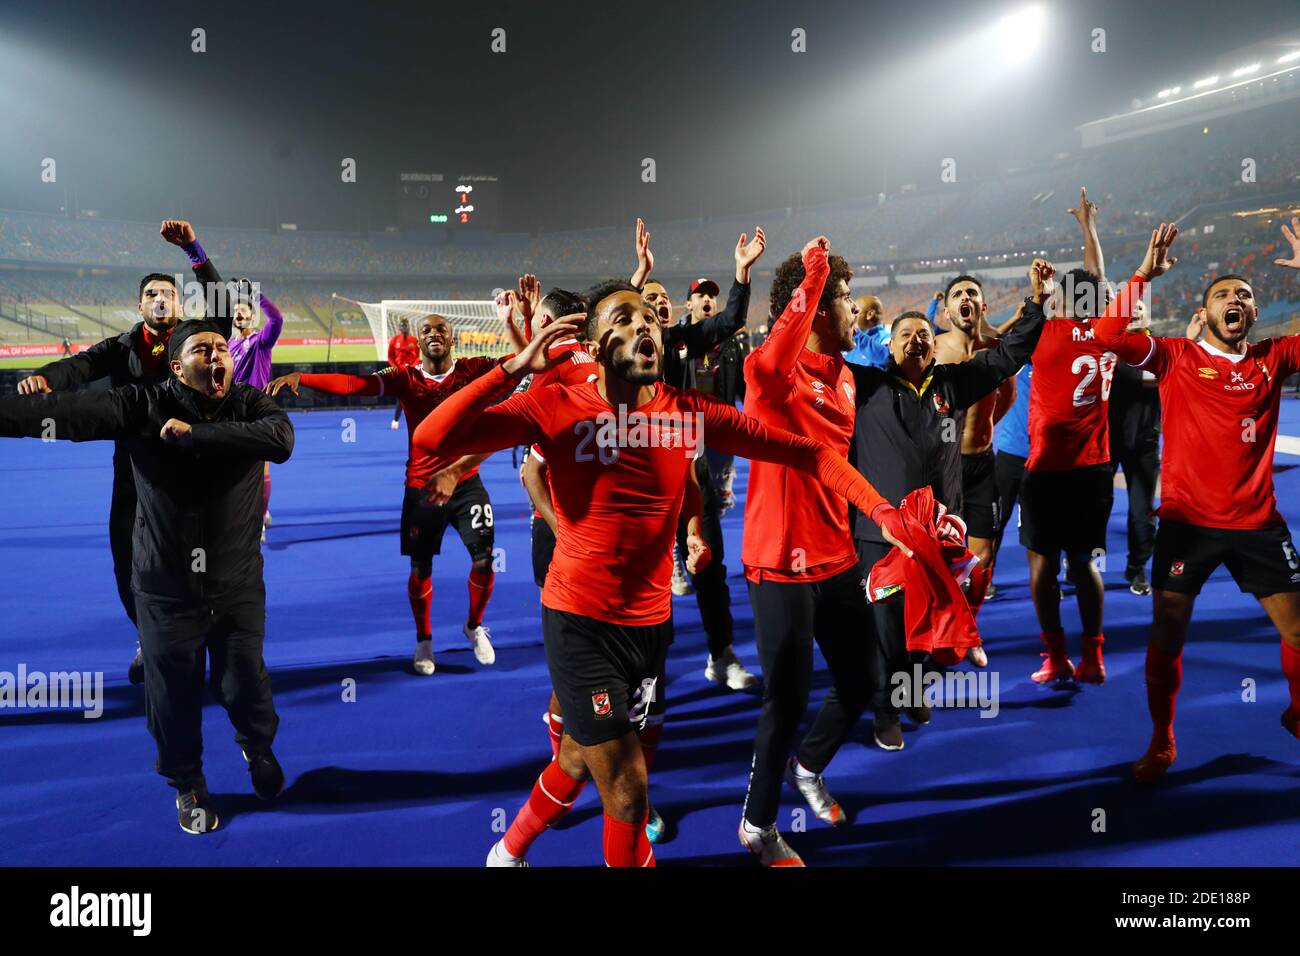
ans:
x=887 y=650
x=121 y=526
x=177 y=637
x=1008 y=472
x=1141 y=472
x=787 y=619
x=711 y=592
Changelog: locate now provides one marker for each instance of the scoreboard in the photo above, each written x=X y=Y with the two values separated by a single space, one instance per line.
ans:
x=433 y=201
x=475 y=201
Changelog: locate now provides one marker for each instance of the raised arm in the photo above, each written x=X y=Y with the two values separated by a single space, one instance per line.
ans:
x=773 y=362
x=72 y=416
x=645 y=259
x=267 y=435
x=217 y=299
x=1111 y=330
x=1086 y=215
x=701 y=337
x=274 y=324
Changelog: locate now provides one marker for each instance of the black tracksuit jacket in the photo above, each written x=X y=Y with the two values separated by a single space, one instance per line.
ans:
x=206 y=496
x=899 y=432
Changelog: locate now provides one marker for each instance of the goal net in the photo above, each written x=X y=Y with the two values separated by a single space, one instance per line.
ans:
x=475 y=323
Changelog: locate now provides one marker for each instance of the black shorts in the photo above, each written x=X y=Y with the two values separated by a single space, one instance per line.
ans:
x=1261 y=561
x=543 y=550
x=1066 y=510
x=423 y=526
x=605 y=675
x=979 y=489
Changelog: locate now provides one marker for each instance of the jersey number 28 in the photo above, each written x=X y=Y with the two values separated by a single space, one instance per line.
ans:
x=1090 y=365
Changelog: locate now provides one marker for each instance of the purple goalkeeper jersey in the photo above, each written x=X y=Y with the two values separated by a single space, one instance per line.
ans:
x=252 y=353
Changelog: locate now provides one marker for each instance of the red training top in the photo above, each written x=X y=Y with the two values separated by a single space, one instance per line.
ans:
x=796 y=529
x=403 y=350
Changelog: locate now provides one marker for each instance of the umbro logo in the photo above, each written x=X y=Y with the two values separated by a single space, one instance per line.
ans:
x=1207 y=372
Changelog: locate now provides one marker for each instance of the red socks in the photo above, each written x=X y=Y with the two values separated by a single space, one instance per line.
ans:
x=626 y=843
x=1055 y=641
x=556 y=724
x=649 y=736
x=420 y=591
x=977 y=587
x=266 y=492
x=480 y=589
x=552 y=796
x=1164 y=677
x=1291 y=668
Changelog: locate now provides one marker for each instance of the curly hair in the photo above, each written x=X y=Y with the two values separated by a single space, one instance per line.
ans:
x=789 y=274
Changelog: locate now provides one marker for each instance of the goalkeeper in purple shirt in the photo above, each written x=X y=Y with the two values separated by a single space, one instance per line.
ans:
x=250 y=349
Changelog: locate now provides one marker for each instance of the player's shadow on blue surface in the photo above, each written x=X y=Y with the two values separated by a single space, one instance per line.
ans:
x=336 y=790
x=1046 y=820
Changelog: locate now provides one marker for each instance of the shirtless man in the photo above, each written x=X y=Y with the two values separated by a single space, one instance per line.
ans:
x=970 y=334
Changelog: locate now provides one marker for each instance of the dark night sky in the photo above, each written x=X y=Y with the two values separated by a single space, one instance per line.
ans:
x=252 y=132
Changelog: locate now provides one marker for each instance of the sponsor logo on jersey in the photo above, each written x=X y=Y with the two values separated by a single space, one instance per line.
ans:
x=1239 y=384
x=600 y=703
x=1207 y=372
x=1176 y=568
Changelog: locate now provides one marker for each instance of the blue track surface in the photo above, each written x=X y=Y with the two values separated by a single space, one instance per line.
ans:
x=422 y=771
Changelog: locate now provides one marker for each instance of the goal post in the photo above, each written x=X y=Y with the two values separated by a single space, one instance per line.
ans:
x=474 y=322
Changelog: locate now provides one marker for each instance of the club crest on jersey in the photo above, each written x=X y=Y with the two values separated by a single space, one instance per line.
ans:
x=1239 y=383
x=1176 y=568
x=600 y=703
x=941 y=404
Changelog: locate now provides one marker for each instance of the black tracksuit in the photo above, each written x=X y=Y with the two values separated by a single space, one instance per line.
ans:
x=905 y=439
x=1135 y=446
x=117 y=359
x=196 y=573
x=711 y=593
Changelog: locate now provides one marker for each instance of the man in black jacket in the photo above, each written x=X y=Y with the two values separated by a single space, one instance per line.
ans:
x=907 y=435
x=683 y=344
x=196 y=443
x=137 y=356
x=1135 y=446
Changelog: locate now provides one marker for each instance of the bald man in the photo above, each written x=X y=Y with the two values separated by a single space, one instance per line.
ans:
x=870 y=334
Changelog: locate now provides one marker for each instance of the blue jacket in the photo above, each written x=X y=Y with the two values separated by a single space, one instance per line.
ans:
x=870 y=347
x=1012 y=433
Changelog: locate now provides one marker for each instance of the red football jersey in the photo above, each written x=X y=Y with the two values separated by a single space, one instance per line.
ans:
x=618 y=479
x=796 y=529
x=420 y=393
x=1069 y=398
x=1219 y=416
x=403 y=350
